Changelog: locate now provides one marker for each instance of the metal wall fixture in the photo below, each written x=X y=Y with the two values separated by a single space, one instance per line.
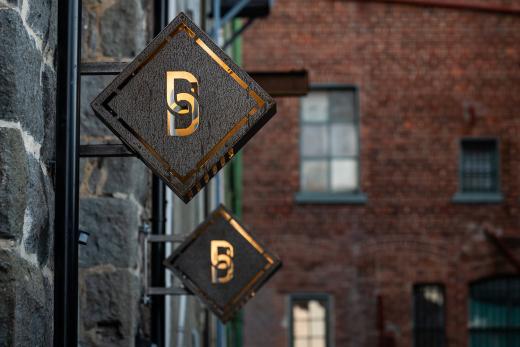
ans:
x=68 y=153
x=67 y=170
x=146 y=241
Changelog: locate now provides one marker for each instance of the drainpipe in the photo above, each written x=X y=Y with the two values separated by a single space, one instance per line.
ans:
x=181 y=319
x=67 y=174
x=158 y=221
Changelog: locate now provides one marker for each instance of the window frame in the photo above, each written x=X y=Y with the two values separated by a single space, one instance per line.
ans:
x=328 y=314
x=330 y=197
x=443 y=329
x=478 y=197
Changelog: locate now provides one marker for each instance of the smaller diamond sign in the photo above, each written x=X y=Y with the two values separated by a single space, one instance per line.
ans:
x=222 y=264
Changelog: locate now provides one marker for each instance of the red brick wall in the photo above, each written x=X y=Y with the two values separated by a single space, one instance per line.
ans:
x=417 y=69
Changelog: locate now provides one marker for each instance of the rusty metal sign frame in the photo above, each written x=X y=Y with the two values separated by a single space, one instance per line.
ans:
x=186 y=185
x=257 y=280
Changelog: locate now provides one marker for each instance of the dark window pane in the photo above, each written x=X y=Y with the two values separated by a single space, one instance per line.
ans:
x=344 y=140
x=429 y=316
x=479 y=166
x=342 y=106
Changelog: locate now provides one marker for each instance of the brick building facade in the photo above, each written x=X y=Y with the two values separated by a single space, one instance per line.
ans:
x=435 y=94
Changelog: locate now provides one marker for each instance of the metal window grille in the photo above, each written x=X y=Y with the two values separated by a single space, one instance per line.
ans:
x=494 y=312
x=309 y=317
x=479 y=166
x=428 y=315
x=329 y=146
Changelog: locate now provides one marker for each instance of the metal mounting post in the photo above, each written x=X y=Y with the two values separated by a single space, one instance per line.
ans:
x=67 y=173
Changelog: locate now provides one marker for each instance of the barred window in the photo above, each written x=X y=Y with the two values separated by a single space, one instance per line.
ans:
x=494 y=312
x=309 y=317
x=329 y=141
x=479 y=166
x=428 y=315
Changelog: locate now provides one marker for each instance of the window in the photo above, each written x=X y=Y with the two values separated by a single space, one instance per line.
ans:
x=329 y=146
x=309 y=321
x=494 y=312
x=479 y=171
x=479 y=166
x=428 y=315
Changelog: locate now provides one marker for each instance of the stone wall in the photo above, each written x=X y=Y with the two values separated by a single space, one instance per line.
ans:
x=114 y=191
x=27 y=118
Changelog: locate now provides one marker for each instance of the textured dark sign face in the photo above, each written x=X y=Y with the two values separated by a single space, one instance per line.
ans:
x=222 y=264
x=184 y=107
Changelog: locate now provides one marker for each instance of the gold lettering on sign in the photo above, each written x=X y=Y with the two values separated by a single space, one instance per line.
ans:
x=181 y=104
x=222 y=253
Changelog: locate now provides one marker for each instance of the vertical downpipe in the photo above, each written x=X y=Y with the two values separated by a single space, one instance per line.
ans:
x=158 y=220
x=67 y=164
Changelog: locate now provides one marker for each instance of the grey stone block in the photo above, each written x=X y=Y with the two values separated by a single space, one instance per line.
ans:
x=127 y=175
x=13 y=182
x=89 y=33
x=39 y=17
x=122 y=29
x=20 y=62
x=10 y=3
x=108 y=176
x=7 y=298
x=39 y=236
x=49 y=113
x=113 y=225
x=34 y=308
x=109 y=308
x=90 y=125
x=26 y=303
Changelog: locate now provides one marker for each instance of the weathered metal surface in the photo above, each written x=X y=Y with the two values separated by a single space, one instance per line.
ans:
x=147 y=241
x=168 y=291
x=108 y=150
x=102 y=68
x=219 y=107
x=222 y=263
